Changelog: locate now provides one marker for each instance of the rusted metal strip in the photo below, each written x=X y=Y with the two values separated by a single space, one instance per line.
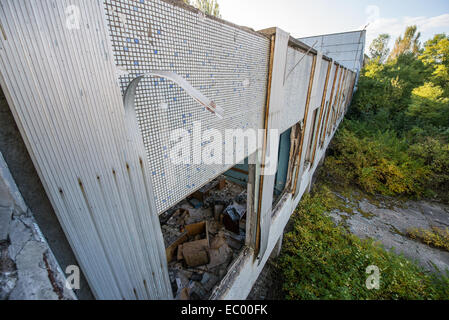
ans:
x=306 y=113
x=340 y=100
x=323 y=102
x=294 y=151
x=335 y=106
x=352 y=92
x=324 y=132
x=264 y=148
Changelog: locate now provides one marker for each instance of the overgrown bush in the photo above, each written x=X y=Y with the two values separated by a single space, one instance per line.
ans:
x=321 y=261
x=377 y=163
x=395 y=140
x=435 y=237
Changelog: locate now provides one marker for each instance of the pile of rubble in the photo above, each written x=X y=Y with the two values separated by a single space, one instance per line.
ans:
x=203 y=235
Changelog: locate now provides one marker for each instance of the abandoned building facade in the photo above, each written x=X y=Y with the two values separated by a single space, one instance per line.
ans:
x=95 y=91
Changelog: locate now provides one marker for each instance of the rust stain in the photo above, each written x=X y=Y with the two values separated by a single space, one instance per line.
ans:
x=56 y=288
x=324 y=133
x=267 y=111
x=323 y=102
x=3 y=32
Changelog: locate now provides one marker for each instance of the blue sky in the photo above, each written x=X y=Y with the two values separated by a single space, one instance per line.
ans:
x=313 y=17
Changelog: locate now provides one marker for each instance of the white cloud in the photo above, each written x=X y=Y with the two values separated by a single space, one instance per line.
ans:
x=396 y=26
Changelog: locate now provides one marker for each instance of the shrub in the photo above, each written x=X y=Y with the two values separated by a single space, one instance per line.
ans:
x=435 y=155
x=435 y=237
x=429 y=106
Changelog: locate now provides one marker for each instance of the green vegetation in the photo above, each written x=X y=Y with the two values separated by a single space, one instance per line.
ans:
x=435 y=237
x=209 y=7
x=394 y=140
x=321 y=261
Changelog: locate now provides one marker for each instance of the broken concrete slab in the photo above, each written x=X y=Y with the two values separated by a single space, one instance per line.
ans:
x=204 y=221
x=195 y=253
x=209 y=281
x=219 y=256
x=33 y=282
x=19 y=235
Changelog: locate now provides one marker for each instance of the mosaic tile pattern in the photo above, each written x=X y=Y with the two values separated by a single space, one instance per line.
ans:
x=227 y=64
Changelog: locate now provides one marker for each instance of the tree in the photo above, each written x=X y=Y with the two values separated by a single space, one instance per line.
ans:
x=429 y=105
x=379 y=47
x=209 y=7
x=436 y=57
x=408 y=44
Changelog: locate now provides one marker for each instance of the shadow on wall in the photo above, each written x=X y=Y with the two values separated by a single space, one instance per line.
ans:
x=22 y=169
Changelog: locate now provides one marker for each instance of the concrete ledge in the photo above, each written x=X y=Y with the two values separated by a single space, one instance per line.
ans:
x=28 y=268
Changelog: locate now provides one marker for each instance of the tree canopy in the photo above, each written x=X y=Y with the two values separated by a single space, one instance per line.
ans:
x=210 y=7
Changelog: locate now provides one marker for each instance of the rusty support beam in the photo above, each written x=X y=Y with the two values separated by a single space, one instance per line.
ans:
x=306 y=113
x=324 y=132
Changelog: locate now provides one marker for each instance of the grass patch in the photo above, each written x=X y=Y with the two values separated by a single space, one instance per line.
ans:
x=322 y=261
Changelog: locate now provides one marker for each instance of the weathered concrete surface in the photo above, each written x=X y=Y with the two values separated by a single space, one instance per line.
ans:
x=32 y=271
x=389 y=222
x=28 y=269
x=30 y=188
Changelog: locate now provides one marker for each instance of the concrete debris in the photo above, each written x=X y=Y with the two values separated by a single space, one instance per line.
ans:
x=197 y=291
x=195 y=253
x=195 y=203
x=197 y=264
x=219 y=256
x=19 y=235
x=198 y=215
x=184 y=294
x=179 y=217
